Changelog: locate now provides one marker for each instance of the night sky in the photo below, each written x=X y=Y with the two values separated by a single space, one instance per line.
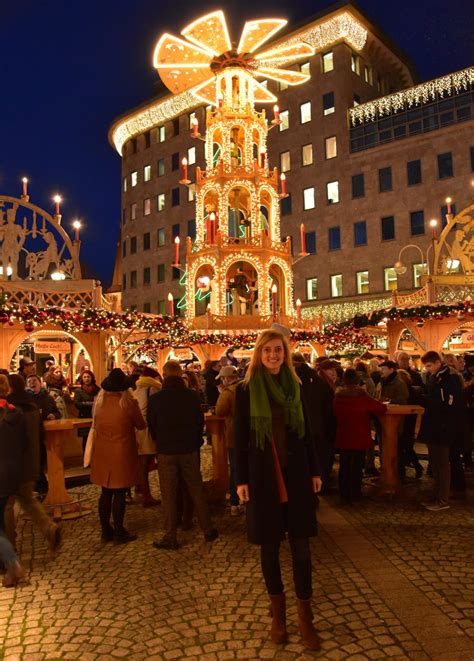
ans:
x=69 y=67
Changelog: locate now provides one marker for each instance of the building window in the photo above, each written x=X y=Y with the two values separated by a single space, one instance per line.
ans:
x=358 y=185
x=133 y=211
x=368 y=75
x=388 y=228
x=124 y=216
x=124 y=184
x=355 y=63
x=133 y=245
x=284 y=120
x=175 y=124
x=285 y=205
x=133 y=307
x=413 y=172
x=336 y=285
x=160 y=238
x=124 y=281
x=360 y=233
x=175 y=273
x=192 y=229
x=146 y=308
x=146 y=275
x=312 y=289
x=328 y=103
x=134 y=178
x=133 y=279
x=146 y=136
x=390 y=279
x=330 y=147
x=191 y=192
x=160 y=201
x=307 y=154
x=334 y=238
x=174 y=197
x=175 y=231
x=161 y=133
x=162 y=307
x=146 y=241
x=385 y=179
x=308 y=199
x=124 y=248
x=282 y=86
x=192 y=117
x=285 y=161
x=310 y=240
x=160 y=167
x=160 y=273
x=175 y=161
x=445 y=165
x=147 y=173
x=305 y=68
x=355 y=100
x=328 y=61
x=418 y=271
x=191 y=155
x=332 y=192
x=146 y=206
x=305 y=112
x=417 y=223
x=362 y=282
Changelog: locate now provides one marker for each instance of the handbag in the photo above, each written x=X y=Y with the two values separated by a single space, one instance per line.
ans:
x=89 y=447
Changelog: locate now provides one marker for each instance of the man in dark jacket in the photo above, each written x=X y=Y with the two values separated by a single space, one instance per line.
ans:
x=176 y=424
x=26 y=367
x=391 y=387
x=443 y=407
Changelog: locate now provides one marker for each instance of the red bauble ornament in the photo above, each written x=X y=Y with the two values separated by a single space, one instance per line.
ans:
x=85 y=329
x=29 y=327
x=4 y=318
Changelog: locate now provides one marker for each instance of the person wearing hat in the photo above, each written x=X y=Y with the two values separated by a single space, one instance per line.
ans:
x=229 y=377
x=391 y=387
x=26 y=367
x=114 y=464
x=146 y=385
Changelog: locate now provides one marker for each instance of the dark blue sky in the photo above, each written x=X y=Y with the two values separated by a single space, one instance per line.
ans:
x=69 y=67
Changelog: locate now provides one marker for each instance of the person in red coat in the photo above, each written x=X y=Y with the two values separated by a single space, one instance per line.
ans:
x=353 y=408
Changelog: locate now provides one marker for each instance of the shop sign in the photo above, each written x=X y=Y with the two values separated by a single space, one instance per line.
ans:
x=45 y=346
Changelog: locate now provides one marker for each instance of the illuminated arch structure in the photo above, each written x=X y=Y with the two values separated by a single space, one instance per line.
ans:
x=238 y=255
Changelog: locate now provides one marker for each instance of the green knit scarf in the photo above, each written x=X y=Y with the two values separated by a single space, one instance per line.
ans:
x=284 y=391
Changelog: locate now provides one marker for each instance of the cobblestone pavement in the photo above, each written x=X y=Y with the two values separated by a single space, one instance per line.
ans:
x=391 y=581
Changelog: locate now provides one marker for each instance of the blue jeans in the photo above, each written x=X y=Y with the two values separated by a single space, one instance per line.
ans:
x=7 y=552
x=234 y=499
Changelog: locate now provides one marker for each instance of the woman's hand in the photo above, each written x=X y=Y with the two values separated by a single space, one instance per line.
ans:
x=317 y=483
x=243 y=493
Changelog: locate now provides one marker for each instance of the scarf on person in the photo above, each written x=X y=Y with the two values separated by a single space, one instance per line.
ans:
x=285 y=392
x=90 y=389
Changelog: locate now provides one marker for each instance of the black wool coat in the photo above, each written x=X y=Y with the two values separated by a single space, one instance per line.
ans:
x=443 y=404
x=267 y=519
x=13 y=446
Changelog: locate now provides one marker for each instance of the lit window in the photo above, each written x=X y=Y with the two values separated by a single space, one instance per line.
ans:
x=390 y=279
x=328 y=62
x=124 y=184
x=356 y=100
x=355 y=63
x=147 y=173
x=304 y=68
x=161 y=167
x=330 y=147
x=160 y=202
x=305 y=112
x=161 y=134
x=191 y=192
x=285 y=161
x=362 y=278
x=308 y=198
x=312 y=289
x=368 y=74
x=336 y=285
x=192 y=117
x=285 y=120
x=191 y=155
x=146 y=206
x=133 y=211
x=332 y=191
x=328 y=103
x=134 y=178
x=418 y=271
x=282 y=86
x=307 y=154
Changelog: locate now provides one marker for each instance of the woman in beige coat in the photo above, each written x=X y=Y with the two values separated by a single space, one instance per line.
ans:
x=114 y=465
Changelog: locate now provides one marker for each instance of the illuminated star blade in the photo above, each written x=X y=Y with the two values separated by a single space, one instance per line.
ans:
x=256 y=33
x=283 y=75
x=286 y=53
x=180 y=65
x=262 y=94
x=206 y=92
x=209 y=32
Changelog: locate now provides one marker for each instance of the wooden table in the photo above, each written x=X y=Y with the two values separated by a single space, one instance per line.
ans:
x=58 y=503
x=390 y=421
x=218 y=485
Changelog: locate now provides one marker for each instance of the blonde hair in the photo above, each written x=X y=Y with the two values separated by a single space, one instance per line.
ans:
x=256 y=360
x=4 y=385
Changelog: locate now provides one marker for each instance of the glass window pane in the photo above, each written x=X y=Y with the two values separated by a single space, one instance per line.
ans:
x=147 y=173
x=146 y=206
x=285 y=162
x=134 y=178
x=328 y=103
x=308 y=198
x=328 y=62
x=330 y=147
x=191 y=155
x=305 y=112
x=312 y=289
x=284 y=120
x=362 y=278
x=336 y=285
x=307 y=154
x=390 y=279
x=332 y=189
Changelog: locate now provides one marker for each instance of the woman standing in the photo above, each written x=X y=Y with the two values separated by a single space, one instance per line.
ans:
x=84 y=399
x=114 y=465
x=277 y=476
x=146 y=385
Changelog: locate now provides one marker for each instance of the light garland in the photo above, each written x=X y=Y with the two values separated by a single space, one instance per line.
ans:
x=420 y=94
x=339 y=312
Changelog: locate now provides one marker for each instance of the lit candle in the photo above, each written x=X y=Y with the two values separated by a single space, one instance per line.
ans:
x=77 y=226
x=184 y=163
x=25 y=187
x=57 y=200
x=276 y=113
x=303 y=239
x=212 y=218
x=171 y=304
x=274 y=299
x=448 y=202
x=433 y=225
x=195 y=125
x=298 y=310
x=262 y=157
x=176 y=249
x=283 y=183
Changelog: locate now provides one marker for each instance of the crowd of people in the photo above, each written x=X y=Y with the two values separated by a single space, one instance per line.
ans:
x=292 y=431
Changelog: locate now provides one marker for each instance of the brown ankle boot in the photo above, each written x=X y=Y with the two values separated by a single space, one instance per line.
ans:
x=278 y=613
x=305 y=623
